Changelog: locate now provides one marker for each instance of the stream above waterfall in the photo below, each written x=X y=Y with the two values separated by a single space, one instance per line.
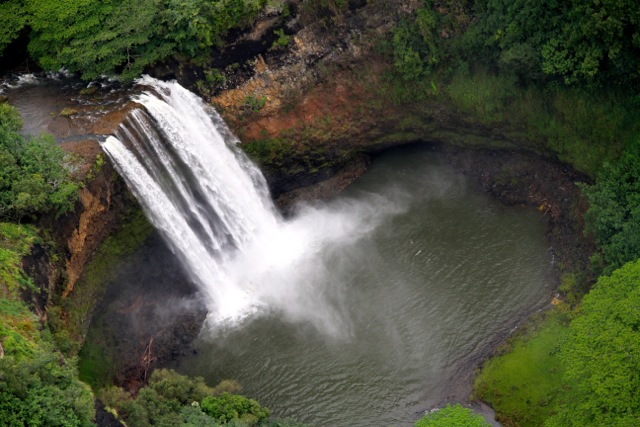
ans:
x=423 y=295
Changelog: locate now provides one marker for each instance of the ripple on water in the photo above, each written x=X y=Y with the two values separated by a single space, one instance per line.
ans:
x=424 y=292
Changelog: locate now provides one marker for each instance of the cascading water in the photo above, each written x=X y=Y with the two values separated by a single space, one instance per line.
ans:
x=212 y=206
x=204 y=198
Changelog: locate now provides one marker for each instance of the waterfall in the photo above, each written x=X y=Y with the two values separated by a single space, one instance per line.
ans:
x=180 y=161
x=212 y=206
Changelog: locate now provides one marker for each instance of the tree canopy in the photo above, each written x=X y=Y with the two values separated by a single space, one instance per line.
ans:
x=579 y=42
x=34 y=177
x=120 y=37
x=602 y=355
x=614 y=210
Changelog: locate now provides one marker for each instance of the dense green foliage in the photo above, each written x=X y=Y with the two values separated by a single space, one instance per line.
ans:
x=485 y=58
x=172 y=399
x=12 y=19
x=228 y=407
x=121 y=37
x=601 y=355
x=43 y=390
x=416 y=47
x=34 y=174
x=38 y=387
x=579 y=41
x=614 y=210
x=452 y=416
x=15 y=242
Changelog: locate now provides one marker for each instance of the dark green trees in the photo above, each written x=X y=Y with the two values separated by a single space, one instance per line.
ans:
x=120 y=37
x=614 y=210
x=582 y=42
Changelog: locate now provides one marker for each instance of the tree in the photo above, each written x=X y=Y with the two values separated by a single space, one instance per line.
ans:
x=614 y=210
x=602 y=355
x=452 y=416
x=415 y=44
x=599 y=39
x=43 y=390
x=122 y=37
x=97 y=38
x=33 y=175
x=13 y=18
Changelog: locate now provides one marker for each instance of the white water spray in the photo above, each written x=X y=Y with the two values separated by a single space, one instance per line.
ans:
x=213 y=208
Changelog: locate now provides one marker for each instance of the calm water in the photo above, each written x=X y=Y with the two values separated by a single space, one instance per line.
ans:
x=422 y=297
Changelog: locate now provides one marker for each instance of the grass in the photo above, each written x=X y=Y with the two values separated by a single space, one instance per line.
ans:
x=524 y=383
x=19 y=327
x=15 y=242
x=583 y=128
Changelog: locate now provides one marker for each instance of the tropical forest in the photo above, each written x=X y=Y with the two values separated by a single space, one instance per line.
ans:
x=328 y=213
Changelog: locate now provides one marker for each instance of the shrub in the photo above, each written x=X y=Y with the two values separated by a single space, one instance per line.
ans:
x=614 y=210
x=34 y=173
x=228 y=407
x=452 y=416
x=43 y=391
x=172 y=399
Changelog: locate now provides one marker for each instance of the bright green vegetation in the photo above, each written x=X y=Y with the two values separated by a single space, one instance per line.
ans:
x=601 y=355
x=282 y=40
x=79 y=305
x=253 y=103
x=121 y=37
x=172 y=399
x=38 y=386
x=34 y=172
x=42 y=389
x=524 y=383
x=452 y=416
x=15 y=242
x=584 y=374
x=228 y=407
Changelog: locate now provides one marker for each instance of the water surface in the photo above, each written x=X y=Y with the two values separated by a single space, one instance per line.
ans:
x=419 y=299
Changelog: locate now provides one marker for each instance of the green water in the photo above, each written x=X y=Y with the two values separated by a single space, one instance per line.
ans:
x=424 y=296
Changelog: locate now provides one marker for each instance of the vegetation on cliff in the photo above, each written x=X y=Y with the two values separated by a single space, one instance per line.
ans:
x=34 y=172
x=38 y=385
x=601 y=354
x=614 y=211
